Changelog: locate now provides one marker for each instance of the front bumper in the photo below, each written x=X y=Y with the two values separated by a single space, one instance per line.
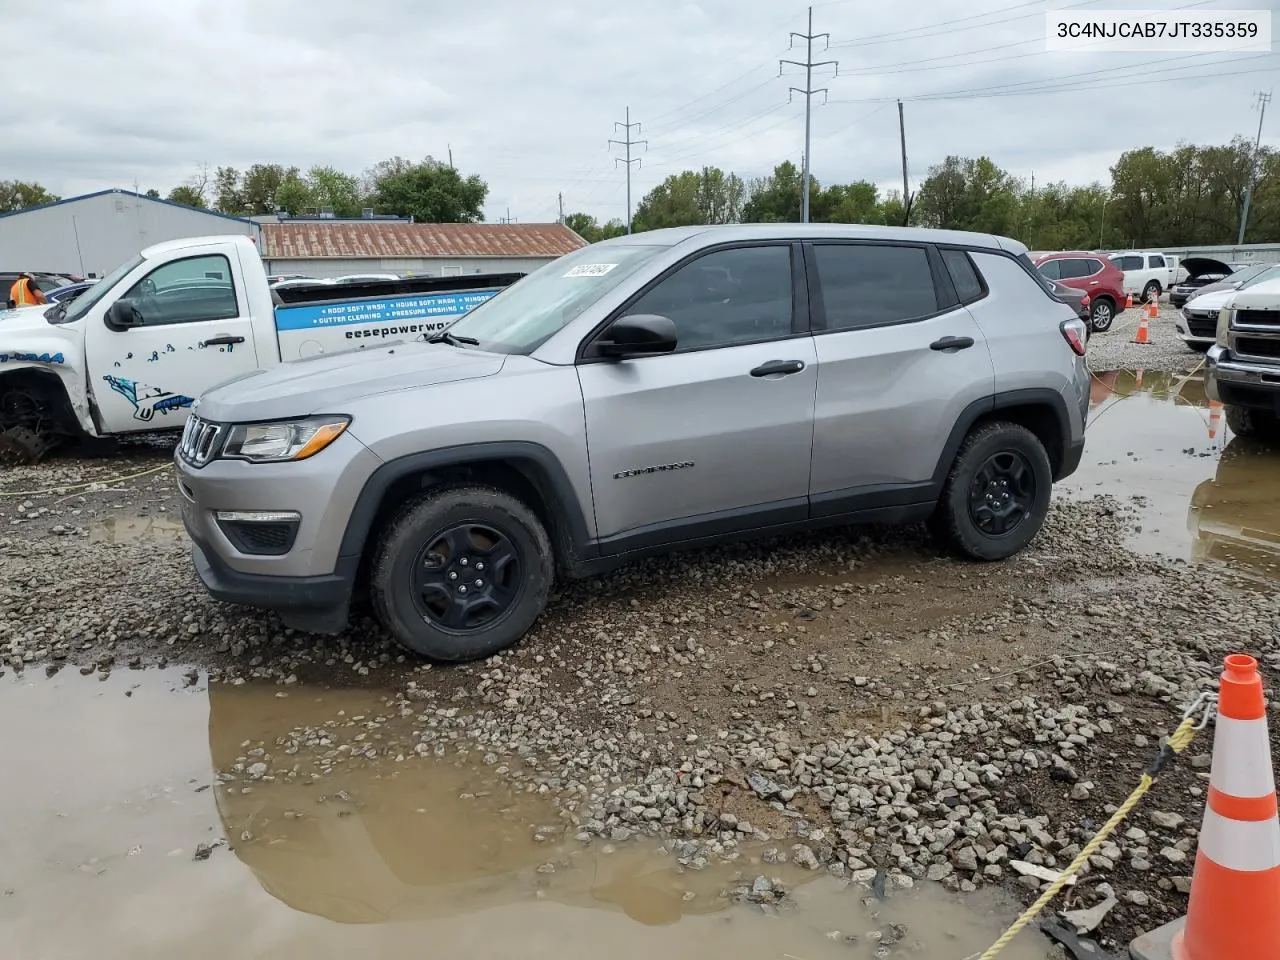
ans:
x=305 y=579
x=1201 y=330
x=311 y=604
x=1240 y=384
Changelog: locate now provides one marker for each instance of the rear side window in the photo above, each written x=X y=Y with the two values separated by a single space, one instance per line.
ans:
x=1094 y=266
x=1128 y=263
x=868 y=285
x=964 y=275
x=1074 y=268
x=1051 y=269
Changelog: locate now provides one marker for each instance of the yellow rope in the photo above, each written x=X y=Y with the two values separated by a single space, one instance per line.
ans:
x=1181 y=737
x=91 y=483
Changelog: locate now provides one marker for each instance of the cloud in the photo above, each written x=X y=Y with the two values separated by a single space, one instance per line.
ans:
x=527 y=95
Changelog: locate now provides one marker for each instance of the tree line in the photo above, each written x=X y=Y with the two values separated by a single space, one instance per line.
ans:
x=429 y=190
x=1190 y=196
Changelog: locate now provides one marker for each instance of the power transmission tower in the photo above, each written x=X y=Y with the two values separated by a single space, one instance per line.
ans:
x=1262 y=100
x=808 y=92
x=508 y=218
x=628 y=143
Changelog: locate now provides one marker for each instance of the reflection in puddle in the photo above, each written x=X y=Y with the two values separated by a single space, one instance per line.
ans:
x=1202 y=493
x=131 y=529
x=1235 y=515
x=403 y=850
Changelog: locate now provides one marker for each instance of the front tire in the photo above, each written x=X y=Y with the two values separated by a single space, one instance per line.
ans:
x=1253 y=424
x=461 y=573
x=1101 y=315
x=997 y=494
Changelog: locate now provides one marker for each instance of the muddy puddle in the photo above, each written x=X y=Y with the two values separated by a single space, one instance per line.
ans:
x=140 y=825
x=1205 y=493
x=130 y=528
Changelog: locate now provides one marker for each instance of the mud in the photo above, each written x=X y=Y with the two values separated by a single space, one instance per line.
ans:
x=122 y=814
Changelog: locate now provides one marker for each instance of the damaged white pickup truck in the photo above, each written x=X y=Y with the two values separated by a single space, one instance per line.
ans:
x=131 y=354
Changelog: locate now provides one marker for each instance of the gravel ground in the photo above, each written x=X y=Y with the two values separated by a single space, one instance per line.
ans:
x=1115 y=349
x=852 y=699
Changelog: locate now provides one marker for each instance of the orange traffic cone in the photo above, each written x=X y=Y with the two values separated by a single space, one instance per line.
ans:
x=1142 y=336
x=1153 y=306
x=1137 y=377
x=1128 y=301
x=1234 y=910
x=1215 y=418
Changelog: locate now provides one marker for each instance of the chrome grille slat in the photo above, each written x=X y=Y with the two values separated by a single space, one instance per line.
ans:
x=199 y=441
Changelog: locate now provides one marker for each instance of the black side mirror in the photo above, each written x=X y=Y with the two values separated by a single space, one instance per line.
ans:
x=637 y=335
x=122 y=315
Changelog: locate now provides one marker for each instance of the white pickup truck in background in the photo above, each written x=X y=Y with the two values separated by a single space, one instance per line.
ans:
x=1147 y=273
x=132 y=353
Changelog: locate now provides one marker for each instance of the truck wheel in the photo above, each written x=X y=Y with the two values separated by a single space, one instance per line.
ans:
x=1152 y=289
x=995 y=499
x=461 y=573
x=1101 y=314
x=1253 y=424
x=22 y=445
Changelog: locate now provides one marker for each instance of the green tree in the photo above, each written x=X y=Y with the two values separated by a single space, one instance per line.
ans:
x=692 y=197
x=18 y=194
x=585 y=226
x=776 y=198
x=187 y=194
x=429 y=191
x=260 y=184
x=227 y=195
x=153 y=193
x=966 y=194
x=294 y=193
x=855 y=202
x=330 y=187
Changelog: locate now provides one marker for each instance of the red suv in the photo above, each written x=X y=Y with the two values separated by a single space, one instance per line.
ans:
x=1093 y=273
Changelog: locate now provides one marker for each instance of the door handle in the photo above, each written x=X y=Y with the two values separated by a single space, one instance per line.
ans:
x=952 y=343
x=222 y=341
x=778 y=368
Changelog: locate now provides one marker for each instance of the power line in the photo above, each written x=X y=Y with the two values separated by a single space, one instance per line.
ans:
x=1262 y=99
x=628 y=143
x=808 y=92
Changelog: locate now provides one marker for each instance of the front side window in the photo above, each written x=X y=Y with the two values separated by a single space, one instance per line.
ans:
x=741 y=295
x=186 y=291
x=869 y=285
x=1128 y=263
x=1155 y=261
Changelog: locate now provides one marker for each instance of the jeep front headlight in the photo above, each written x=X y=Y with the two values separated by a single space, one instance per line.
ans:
x=1224 y=324
x=282 y=440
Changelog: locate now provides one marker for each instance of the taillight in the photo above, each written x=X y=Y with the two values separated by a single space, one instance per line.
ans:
x=1075 y=332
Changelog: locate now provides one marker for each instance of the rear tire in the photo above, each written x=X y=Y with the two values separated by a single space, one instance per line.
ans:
x=432 y=588
x=1253 y=424
x=1101 y=315
x=997 y=494
x=1152 y=289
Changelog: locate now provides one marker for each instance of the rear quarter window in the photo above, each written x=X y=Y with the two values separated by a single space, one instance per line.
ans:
x=968 y=282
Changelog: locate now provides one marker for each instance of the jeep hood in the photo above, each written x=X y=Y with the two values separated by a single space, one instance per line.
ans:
x=324 y=384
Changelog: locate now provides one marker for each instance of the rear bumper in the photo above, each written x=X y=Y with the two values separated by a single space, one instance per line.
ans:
x=1239 y=384
x=312 y=604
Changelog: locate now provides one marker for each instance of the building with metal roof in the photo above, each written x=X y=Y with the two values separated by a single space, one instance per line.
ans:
x=331 y=248
x=96 y=232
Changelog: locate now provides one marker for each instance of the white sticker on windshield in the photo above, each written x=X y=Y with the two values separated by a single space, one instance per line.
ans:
x=590 y=269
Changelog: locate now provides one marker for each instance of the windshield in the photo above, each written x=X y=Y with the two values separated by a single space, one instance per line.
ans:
x=69 y=310
x=524 y=315
x=1264 y=273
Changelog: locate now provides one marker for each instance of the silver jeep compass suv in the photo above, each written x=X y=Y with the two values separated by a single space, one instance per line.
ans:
x=656 y=391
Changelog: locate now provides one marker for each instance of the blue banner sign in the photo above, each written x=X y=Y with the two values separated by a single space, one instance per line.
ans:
x=311 y=316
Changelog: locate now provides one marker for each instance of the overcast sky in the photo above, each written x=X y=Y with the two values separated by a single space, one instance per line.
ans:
x=527 y=93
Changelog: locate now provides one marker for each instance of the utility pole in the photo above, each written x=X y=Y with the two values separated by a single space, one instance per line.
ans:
x=560 y=196
x=450 y=149
x=1262 y=100
x=906 y=197
x=628 y=143
x=808 y=92
x=508 y=218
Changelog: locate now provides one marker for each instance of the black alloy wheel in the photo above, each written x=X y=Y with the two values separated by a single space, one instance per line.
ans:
x=1002 y=494
x=466 y=577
